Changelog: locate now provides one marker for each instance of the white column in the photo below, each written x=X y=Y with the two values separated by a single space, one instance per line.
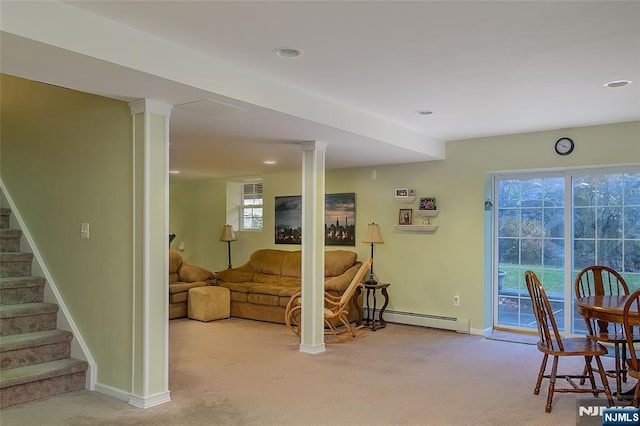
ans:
x=150 y=358
x=312 y=338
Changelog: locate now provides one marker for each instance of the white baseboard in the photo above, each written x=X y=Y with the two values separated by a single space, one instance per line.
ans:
x=482 y=331
x=112 y=392
x=149 y=401
x=313 y=349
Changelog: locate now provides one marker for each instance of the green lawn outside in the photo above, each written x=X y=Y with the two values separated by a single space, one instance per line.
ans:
x=552 y=279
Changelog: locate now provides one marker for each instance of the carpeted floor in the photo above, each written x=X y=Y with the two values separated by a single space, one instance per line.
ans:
x=241 y=372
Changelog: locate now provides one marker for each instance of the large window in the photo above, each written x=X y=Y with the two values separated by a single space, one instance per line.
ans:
x=598 y=212
x=251 y=206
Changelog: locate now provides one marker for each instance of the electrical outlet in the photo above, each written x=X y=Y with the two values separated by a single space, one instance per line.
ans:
x=456 y=300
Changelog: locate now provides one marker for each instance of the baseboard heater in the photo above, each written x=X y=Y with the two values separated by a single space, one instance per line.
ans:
x=461 y=325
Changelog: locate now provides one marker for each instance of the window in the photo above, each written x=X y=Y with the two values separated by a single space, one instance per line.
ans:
x=251 y=209
x=556 y=225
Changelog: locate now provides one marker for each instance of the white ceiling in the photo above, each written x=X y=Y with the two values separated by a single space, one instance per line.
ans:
x=483 y=68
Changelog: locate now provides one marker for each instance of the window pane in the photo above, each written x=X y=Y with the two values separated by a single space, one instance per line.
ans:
x=584 y=253
x=609 y=222
x=632 y=189
x=632 y=223
x=554 y=222
x=632 y=256
x=584 y=222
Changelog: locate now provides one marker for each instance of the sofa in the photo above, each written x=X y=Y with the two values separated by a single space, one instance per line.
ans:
x=182 y=277
x=261 y=288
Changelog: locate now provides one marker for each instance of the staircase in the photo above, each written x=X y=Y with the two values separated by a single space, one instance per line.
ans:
x=35 y=357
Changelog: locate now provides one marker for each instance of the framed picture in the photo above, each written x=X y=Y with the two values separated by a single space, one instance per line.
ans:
x=339 y=221
x=428 y=203
x=402 y=192
x=405 y=217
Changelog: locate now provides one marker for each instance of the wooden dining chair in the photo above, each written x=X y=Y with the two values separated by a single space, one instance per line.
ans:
x=633 y=364
x=551 y=343
x=336 y=311
x=600 y=280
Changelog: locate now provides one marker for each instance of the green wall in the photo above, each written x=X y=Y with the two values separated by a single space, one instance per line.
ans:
x=425 y=270
x=66 y=158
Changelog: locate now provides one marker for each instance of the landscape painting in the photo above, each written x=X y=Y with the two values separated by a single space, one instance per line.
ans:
x=339 y=221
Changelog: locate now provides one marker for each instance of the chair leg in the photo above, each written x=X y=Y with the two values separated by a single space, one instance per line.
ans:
x=589 y=368
x=552 y=384
x=543 y=367
x=636 y=395
x=605 y=382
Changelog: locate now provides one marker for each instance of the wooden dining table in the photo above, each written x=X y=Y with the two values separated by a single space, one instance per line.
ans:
x=606 y=309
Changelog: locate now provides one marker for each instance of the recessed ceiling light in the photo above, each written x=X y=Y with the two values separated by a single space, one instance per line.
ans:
x=287 y=52
x=174 y=172
x=269 y=162
x=424 y=112
x=618 y=83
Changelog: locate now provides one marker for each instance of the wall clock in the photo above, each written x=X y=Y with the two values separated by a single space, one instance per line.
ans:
x=564 y=146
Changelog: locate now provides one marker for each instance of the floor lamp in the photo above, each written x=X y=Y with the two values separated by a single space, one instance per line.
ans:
x=228 y=235
x=373 y=236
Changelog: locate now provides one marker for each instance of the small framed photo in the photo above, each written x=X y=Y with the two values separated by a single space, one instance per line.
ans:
x=405 y=217
x=428 y=203
x=402 y=192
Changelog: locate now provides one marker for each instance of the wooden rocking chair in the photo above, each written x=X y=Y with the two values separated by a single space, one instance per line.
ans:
x=336 y=311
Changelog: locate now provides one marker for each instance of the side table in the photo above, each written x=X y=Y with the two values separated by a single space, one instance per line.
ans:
x=370 y=319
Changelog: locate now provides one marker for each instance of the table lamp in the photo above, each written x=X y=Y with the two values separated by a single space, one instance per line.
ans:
x=228 y=235
x=373 y=236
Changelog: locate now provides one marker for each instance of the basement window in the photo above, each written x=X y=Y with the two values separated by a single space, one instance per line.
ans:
x=251 y=208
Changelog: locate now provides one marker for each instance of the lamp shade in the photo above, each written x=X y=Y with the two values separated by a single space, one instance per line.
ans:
x=373 y=234
x=227 y=234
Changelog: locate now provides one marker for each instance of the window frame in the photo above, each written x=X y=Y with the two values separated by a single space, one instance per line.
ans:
x=251 y=206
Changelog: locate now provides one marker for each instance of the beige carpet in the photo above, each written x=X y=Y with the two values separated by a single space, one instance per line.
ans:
x=241 y=372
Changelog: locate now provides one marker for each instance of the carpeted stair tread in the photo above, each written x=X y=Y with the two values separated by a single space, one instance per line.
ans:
x=38 y=338
x=16 y=256
x=46 y=370
x=10 y=233
x=21 y=282
x=27 y=309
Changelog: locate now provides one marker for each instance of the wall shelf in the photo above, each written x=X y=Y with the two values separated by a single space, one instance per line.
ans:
x=429 y=229
x=406 y=199
x=427 y=213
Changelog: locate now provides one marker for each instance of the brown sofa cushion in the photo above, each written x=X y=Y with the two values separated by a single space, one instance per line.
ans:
x=259 y=277
x=267 y=261
x=292 y=264
x=338 y=261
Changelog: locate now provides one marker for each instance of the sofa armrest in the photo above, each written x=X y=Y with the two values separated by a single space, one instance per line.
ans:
x=191 y=273
x=341 y=282
x=240 y=274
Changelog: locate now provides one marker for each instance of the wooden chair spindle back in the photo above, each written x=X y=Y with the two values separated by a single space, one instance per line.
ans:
x=547 y=327
x=633 y=304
